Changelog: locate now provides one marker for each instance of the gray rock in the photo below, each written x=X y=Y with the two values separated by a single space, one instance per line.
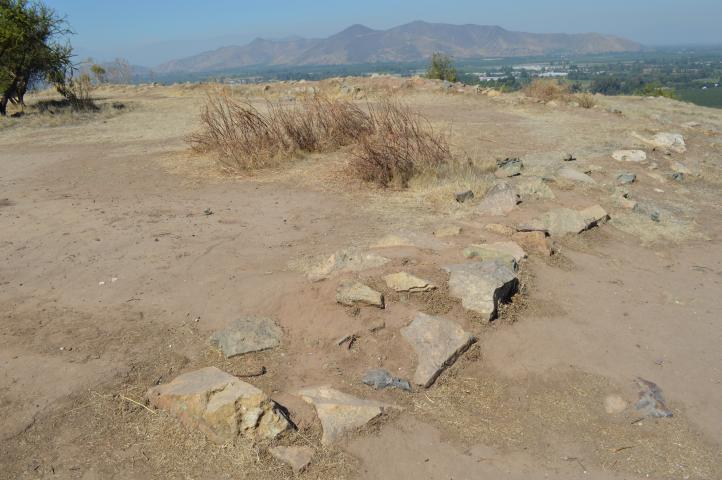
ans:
x=247 y=334
x=405 y=282
x=379 y=379
x=353 y=293
x=349 y=260
x=534 y=187
x=574 y=175
x=626 y=178
x=569 y=157
x=220 y=405
x=509 y=253
x=563 y=221
x=651 y=402
x=678 y=176
x=438 y=343
x=481 y=286
x=501 y=199
x=509 y=167
x=340 y=412
x=297 y=458
x=635 y=156
x=461 y=197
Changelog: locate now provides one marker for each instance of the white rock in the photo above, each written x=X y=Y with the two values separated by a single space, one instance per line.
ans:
x=630 y=155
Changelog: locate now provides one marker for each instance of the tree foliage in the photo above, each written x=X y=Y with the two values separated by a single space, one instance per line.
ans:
x=441 y=68
x=32 y=49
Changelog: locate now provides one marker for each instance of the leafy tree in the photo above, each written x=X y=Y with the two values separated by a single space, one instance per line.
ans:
x=441 y=68
x=606 y=86
x=99 y=73
x=30 y=49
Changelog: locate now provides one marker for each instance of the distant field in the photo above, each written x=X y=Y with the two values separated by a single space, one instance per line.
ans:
x=706 y=98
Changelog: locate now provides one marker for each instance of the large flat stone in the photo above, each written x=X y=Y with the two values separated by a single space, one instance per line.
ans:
x=350 y=260
x=574 y=175
x=297 y=458
x=438 y=343
x=248 y=334
x=405 y=282
x=510 y=253
x=340 y=412
x=501 y=199
x=220 y=405
x=352 y=293
x=635 y=156
x=564 y=221
x=482 y=285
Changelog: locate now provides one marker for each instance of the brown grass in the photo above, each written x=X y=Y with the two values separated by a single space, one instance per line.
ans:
x=585 y=100
x=546 y=89
x=391 y=143
x=401 y=145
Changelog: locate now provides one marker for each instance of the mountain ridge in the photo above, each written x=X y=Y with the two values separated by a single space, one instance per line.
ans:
x=410 y=42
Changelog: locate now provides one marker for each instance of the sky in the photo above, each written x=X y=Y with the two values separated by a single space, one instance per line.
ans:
x=150 y=32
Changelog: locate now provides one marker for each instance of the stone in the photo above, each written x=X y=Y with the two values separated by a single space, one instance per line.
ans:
x=405 y=282
x=499 y=229
x=501 y=199
x=614 y=404
x=536 y=242
x=534 y=187
x=248 y=334
x=297 y=458
x=462 y=197
x=594 y=215
x=352 y=293
x=510 y=253
x=350 y=260
x=438 y=342
x=340 y=412
x=447 y=231
x=651 y=402
x=630 y=156
x=669 y=141
x=408 y=239
x=481 y=286
x=569 y=157
x=574 y=175
x=626 y=178
x=679 y=167
x=509 y=167
x=220 y=405
x=564 y=221
x=380 y=379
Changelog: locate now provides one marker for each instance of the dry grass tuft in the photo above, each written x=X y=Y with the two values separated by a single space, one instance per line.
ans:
x=585 y=100
x=546 y=89
x=391 y=143
x=244 y=138
x=401 y=145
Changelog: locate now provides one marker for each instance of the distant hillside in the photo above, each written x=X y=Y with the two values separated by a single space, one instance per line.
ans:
x=407 y=43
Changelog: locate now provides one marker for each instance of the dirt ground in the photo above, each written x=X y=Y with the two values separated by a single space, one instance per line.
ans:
x=113 y=274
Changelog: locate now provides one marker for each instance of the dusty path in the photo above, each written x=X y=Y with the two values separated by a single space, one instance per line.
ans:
x=120 y=255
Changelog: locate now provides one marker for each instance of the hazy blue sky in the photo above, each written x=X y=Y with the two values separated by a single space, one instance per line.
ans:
x=150 y=32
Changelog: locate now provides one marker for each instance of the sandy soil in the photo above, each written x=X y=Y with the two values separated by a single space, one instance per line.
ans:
x=112 y=278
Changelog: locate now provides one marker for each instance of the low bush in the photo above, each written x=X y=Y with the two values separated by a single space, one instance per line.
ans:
x=546 y=89
x=402 y=144
x=390 y=143
x=245 y=138
x=585 y=100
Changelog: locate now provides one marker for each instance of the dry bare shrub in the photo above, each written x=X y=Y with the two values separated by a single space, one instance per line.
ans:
x=401 y=145
x=391 y=143
x=585 y=100
x=546 y=89
x=245 y=138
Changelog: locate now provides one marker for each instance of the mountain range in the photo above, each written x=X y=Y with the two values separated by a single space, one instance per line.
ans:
x=411 y=42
